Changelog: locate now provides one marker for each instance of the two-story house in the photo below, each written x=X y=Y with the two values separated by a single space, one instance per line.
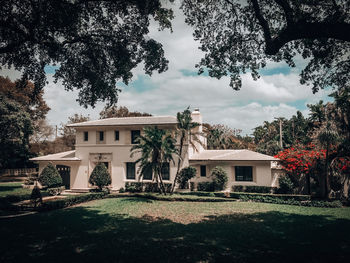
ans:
x=110 y=140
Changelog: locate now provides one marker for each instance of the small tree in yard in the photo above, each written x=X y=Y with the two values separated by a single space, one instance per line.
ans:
x=185 y=175
x=286 y=185
x=50 y=177
x=100 y=176
x=36 y=197
x=219 y=178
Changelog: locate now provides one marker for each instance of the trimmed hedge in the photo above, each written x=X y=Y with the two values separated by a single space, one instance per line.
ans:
x=138 y=187
x=70 y=201
x=206 y=186
x=50 y=177
x=301 y=200
x=254 y=189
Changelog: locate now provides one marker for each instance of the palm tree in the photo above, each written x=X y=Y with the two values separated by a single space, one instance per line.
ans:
x=327 y=136
x=156 y=147
x=184 y=131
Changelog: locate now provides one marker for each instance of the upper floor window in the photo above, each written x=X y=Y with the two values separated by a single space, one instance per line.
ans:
x=116 y=135
x=134 y=135
x=203 y=171
x=102 y=136
x=86 y=136
x=244 y=173
x=130 y=170
x=165 y=171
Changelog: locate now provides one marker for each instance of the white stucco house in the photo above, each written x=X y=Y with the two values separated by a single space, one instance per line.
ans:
x=110 y=141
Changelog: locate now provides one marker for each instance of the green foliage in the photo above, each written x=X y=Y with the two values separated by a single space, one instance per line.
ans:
x=286 y=185
x=253 y=189
x=50 y=177
x=100 y=176
x=15 y=129
x=185 y=175
x=220 y=179
x=96 y=43
x=261 y=31
x=35 y=196
x=156 y=146
x=138 y=187
x=122 y=190
x=55 y=190
x=206 y=186
x=133 y=187
x=70 y=201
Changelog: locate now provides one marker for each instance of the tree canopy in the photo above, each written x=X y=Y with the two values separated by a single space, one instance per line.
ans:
x=94 y=44
x=15 y=129
x=119 y=112
x=242 y=36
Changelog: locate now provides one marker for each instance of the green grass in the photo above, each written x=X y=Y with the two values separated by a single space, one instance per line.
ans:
x=140 y=230
x=13 y=189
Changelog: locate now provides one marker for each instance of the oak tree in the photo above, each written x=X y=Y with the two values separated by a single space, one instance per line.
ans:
x=239 y=36
x=94 y=44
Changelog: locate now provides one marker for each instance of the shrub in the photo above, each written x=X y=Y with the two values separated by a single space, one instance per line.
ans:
x=133 y=187
x=219 y=178
x=122 y=190
x=50 y=177
x=100 y=176
x=286 y=185
x=71 y=200
x=55 y=190
x=30 y=180
x=151 y=187
x=237 y=188
x=185 y=175
x=36 y=197
x=206 y=186
x=253 y=189
x=192 y=186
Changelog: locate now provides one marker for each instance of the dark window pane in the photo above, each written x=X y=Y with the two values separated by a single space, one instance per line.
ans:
x=244 y=173
x=203 y=171
x=134 y=135
x=86 y=136
x=116 y=135
x=165 y=171
x=102 y=135
x=130 y=170
x=147 y=173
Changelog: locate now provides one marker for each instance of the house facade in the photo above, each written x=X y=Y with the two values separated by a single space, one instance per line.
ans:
x=110 y=141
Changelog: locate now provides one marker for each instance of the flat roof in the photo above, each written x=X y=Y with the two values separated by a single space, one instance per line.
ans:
x=62 y=156
x=149 y=120
x=231 y=155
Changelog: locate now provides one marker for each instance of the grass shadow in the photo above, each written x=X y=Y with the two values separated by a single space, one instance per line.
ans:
x=84 y=234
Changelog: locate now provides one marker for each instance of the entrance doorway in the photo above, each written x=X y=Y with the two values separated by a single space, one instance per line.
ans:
x=64 y=172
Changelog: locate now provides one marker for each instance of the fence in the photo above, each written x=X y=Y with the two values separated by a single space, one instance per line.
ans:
x=21 y=172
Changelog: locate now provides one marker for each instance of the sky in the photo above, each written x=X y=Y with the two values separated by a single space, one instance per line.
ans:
x=277 y=93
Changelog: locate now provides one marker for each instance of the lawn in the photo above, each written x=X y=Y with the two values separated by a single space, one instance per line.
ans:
x=141 y=230
x=13 y=189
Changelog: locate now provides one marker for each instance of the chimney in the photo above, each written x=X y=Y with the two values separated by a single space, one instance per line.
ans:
x=196 y=116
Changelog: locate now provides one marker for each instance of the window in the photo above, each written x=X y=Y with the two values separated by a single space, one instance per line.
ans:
x=102 y=135
x=165 y=171
x=130 y=170
x=244 y=173
x=134 y=135
x=106 y=164
x=86 y=136
x=203 y=171
x=147 y=173
x=116 y=135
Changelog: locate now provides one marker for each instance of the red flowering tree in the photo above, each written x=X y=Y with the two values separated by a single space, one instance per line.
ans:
x=301 y=160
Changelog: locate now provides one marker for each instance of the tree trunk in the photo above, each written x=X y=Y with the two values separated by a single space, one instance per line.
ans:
x=161 y=182
x=178 y=163
x=326 y=183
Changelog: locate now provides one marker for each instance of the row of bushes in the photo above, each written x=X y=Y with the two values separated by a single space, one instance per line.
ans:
x=138 y=187
x=254 y=189
x=70 y=201
x=287 y=199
